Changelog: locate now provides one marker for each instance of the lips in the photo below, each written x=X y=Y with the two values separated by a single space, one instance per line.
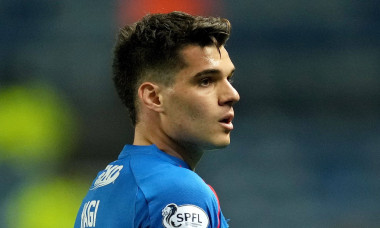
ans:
x=226 y=121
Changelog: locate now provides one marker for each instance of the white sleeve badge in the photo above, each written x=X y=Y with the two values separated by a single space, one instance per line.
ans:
x=184 y=216
x=108 y=176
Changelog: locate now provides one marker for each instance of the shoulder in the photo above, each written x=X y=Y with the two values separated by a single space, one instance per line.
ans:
x=181 y=199
x=174 y=194
x=182 y=182
x=155 y=176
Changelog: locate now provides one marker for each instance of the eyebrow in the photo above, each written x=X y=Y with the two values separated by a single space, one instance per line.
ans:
x=211 y=71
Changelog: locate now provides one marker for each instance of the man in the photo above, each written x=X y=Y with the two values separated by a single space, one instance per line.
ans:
x=174 y=75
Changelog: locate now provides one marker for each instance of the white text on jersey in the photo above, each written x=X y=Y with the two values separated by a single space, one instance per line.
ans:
x=108 y=176
x=90 y=209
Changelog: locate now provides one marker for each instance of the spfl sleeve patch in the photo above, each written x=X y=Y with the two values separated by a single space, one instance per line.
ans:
x=184 y=216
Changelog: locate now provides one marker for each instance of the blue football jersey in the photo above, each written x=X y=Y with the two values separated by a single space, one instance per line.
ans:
x=146 y=187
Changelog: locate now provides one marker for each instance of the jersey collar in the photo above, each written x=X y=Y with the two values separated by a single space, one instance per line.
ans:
x=153 y=150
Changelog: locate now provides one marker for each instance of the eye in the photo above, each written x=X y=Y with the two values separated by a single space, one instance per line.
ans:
x=204 y=82
x=230 y=79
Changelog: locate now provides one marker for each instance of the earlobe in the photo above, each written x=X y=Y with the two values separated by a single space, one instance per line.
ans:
x=149 y=94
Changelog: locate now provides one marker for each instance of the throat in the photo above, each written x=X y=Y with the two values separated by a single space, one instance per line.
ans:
x=188 y=154
x=186 y=151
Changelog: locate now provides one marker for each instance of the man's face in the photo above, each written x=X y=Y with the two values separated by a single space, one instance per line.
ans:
x=198 y=106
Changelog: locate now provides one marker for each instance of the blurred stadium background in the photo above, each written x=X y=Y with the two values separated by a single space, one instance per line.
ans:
x=305 y=152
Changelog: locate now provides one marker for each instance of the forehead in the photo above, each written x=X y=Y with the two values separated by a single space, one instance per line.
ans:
x=199 y=58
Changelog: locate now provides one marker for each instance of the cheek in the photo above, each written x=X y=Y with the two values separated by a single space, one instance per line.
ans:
x=188 y=112
x=196 y=109
x=195 y=112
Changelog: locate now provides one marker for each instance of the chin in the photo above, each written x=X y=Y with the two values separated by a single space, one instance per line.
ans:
x=217 y=145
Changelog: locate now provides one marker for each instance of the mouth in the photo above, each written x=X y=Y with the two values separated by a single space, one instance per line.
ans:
x=226 y=122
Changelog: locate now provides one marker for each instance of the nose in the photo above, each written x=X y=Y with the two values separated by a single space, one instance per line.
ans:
x=228 y=95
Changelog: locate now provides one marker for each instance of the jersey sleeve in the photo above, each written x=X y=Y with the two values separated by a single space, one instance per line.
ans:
x=141 y=218
x=180 y=200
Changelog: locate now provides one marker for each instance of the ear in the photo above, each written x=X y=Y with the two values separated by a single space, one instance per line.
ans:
x=149 y=94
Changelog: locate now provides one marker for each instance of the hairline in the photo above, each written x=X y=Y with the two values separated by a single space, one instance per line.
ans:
x=181 y=64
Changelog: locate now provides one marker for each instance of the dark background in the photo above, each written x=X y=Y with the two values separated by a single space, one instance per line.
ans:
x=305 y=149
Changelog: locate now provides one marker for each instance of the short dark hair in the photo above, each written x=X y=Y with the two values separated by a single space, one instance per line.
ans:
x=149 y=49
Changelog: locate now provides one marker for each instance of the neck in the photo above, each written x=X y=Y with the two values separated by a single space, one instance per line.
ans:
x=145 y=134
